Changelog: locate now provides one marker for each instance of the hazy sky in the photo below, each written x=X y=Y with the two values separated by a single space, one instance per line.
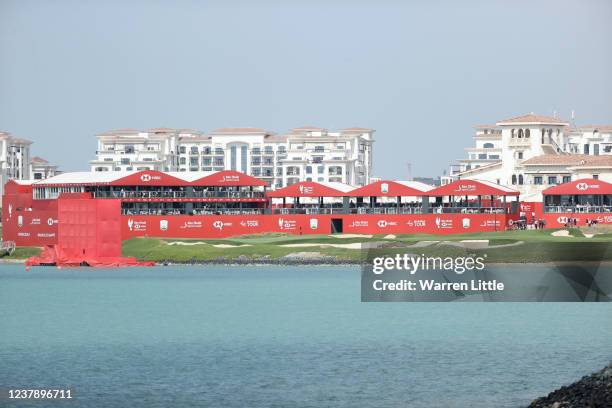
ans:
x=420 y=73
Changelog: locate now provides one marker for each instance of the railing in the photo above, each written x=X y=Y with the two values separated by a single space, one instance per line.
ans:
x=386 y=210
x=467 y=210
x=224 y=211
x=578 y=208
x=307 y=210
x=179 y=194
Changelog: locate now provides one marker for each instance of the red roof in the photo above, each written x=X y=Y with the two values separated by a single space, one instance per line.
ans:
x=580 y=187
x=149 y=178
x=307 y=189
x=228 y=178
x=472 y=188
x=386 y=188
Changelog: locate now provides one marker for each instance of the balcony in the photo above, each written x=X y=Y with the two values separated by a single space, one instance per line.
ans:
x=519 y=142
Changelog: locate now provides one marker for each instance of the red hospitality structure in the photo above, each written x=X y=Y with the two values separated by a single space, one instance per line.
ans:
x=227 y=203
x=579 y=202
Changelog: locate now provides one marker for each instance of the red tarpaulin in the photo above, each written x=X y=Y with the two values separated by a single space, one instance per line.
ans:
x=386 y=188
x=472 y=188
x=307 y=189
x=54 y=255
x=580 y=187
x=228 y=178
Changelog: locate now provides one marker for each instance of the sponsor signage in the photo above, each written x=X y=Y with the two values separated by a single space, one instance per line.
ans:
x=306 y=190
x=145 y=178
x=287 y=225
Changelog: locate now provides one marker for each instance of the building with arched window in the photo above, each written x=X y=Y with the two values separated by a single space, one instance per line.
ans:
x=534 y=151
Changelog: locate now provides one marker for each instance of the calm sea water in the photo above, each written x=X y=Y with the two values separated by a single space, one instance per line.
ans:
x=280 y=337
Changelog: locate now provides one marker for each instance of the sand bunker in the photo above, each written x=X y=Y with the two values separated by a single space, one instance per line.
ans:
x=560 y=233
x=205 y=243
x=350 y=236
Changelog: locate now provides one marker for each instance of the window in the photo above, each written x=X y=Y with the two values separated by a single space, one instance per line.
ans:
x=488 y=145
x=317 y=159
x=193 y=161
x=268 y=150
x=308 y=169
x=110 y=159
x=182 y=160
x=567 y=179
x=494 y=156
x=320 y=169
x=537 y=180
x=129 y=148
x=206 y=150
x=233 y=157
x=218 y=150
x=256 y=161
x=527 y=133
x=519 y=155
x=308 y=178
x=206 y=161
x=514 y=179
x=37 y=176
x=257 y=150
x=520 y=133
x=552 y=179
x=596 y=176
x=586 y=148
x=182 y=150
x=596 y=149
x=218 y=161
x=520 y=179
x=482 y=156
x=243 y=158
x=319 y=148
x=321 y=179
x=194 y=150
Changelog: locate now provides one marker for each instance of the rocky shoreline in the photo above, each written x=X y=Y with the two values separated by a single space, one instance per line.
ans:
x=592 y=391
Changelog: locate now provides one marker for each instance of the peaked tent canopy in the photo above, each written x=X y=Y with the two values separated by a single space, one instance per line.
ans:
x=472 y=188
x=387 y=188
x=308 y=189
x=149 y=178
x=580 y=187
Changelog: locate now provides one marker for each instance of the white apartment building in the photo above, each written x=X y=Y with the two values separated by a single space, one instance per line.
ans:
x=16 y=163
x=14 y=158
x=307 y=153
x=41 y=169
x=533 y=152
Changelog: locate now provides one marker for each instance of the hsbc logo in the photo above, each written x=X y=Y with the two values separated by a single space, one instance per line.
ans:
x=148 y=177
x=218 y=225
x=563 y=220
x=582 y=186
x=385 y=223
